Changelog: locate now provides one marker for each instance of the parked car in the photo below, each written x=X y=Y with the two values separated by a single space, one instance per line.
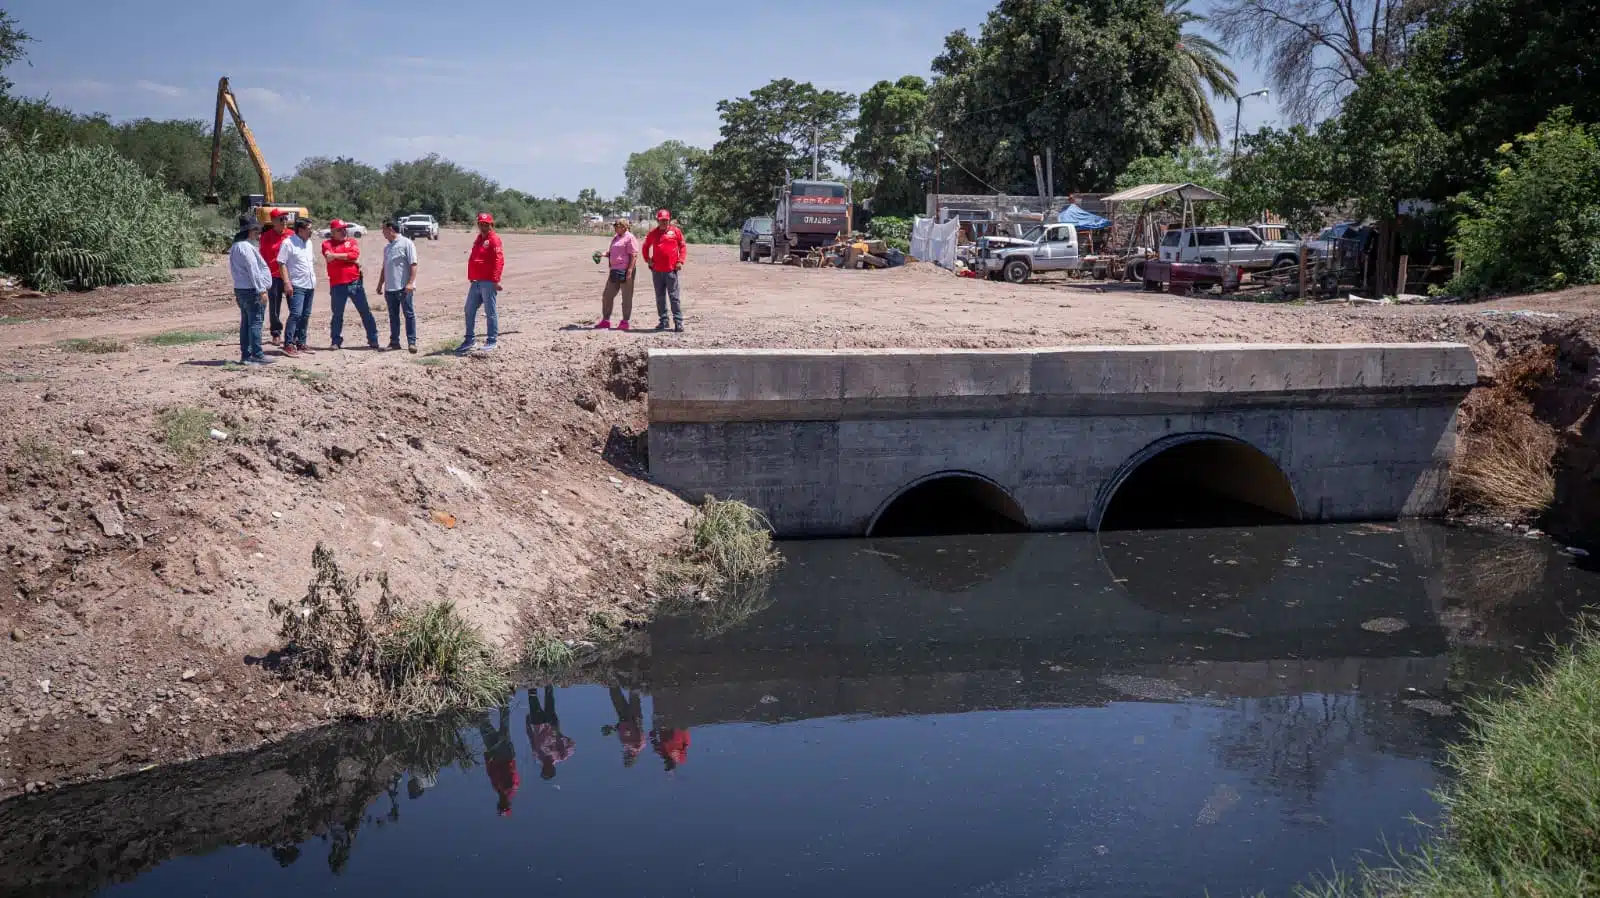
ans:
x=1237 y=246
x=355 y=230
x=1326 y=241
x=415 y=226
x=755 y=238
x=1040 y=248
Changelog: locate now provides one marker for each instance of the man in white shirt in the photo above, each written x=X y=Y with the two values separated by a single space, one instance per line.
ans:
x=297 y=258
x=397 y=281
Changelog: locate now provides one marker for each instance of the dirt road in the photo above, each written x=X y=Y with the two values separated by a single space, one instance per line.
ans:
x=139 y=564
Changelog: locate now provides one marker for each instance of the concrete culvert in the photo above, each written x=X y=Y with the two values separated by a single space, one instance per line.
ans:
x=1200 y=481
x=947 y=505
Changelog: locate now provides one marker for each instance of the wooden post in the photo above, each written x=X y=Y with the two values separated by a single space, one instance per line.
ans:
x=1302 y=271
x=1458 y=265
x=1400 y=279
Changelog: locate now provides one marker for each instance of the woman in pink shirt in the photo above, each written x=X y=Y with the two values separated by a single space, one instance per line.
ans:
x=621 y=258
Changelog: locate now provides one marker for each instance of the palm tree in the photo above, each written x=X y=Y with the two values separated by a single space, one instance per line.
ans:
x=1199 y=66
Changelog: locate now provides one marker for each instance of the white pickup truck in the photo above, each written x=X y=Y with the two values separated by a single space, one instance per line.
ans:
x=1041 y=248
x=419 y=225
x=1241 y=247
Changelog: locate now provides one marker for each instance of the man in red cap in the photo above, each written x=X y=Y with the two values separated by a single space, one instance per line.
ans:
x=665 y=250
x=271 y=239
x=344 y=283
x=485 y=264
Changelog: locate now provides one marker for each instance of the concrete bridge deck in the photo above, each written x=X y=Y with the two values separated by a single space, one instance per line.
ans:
x=826 y=441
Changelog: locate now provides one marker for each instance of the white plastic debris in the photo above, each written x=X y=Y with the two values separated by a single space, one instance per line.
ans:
x=217 y=434
x=44 y=686
x=78 y=453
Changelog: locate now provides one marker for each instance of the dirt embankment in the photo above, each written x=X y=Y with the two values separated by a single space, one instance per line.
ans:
x=140 y=553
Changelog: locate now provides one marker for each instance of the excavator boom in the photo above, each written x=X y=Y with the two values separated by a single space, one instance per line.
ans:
x=227 y=103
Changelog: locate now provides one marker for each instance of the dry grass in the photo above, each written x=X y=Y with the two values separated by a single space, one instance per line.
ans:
x=729 y=547
x=93 y=345
x=1505 y=460
x=186 y=431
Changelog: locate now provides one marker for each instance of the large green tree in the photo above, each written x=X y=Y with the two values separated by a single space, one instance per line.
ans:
x=663 y=176
x=892 y=151
x=773 y=131
x=1498 y=68
x=1200 y=71
x=1091 y=80
x=12 y=39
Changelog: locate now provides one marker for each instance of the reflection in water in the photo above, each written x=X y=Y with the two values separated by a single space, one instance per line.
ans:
x=1127 y=716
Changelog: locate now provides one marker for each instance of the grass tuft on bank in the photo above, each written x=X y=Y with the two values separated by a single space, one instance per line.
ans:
x=433 y=661
x=729 y=547
x=93 y=345
x=186 y=430
x=184 y=338
x=1522 y=817
x=1505 y=461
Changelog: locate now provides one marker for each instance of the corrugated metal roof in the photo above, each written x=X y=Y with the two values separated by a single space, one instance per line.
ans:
x=1151 y=191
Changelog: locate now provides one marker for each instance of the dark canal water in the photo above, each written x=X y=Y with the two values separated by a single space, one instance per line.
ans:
x=1168 y=713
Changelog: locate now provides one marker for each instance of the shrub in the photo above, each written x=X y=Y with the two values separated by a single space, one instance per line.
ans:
x=93 y=345
x=184 y=338
x=694 y=234
x=86 y=217
x=1537 y=226
x=729 y=547
x=894 y=231
x=547 y=653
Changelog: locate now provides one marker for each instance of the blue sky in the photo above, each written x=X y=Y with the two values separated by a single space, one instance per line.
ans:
x=545 y=97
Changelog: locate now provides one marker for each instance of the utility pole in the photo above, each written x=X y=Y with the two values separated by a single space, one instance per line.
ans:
x=814 y=154
x=1050 y=174
x=938 y=166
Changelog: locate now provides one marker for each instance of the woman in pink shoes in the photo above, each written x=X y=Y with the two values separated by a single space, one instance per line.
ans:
x=621 y=258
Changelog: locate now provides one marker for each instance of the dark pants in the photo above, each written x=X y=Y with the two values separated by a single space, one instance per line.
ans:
x=398 y=301
x=296 y=327
x=355 y=292
x=275 y=301
x=250 y=313
x=666 y=284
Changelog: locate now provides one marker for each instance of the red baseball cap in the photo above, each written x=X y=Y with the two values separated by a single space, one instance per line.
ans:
x=276 y=214
x=337 y=225
x=485 y=218
x=663 y=215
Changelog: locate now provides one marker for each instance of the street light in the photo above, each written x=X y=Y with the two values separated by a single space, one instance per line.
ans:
x=1239 y=113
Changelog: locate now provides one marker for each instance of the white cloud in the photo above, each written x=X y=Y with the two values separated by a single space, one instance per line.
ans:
x=264 y=98
x=470 y=149
x=165 y=90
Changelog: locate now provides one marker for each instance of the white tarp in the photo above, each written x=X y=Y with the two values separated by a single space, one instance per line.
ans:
x=921 y=230
x=943 y=242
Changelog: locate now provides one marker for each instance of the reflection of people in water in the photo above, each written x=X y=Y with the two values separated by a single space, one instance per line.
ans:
x=500 y=758
x=630 y=724
x=550 y=746
x=672 y=745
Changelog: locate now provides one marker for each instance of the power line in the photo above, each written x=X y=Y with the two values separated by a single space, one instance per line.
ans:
x=969 y=172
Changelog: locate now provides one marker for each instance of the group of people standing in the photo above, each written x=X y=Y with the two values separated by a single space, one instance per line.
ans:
x=665 y=251
x=551 y=746
x=273 y=264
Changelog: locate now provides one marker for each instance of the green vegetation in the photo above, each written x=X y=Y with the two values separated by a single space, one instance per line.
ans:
x=37 y=456
x=186 y=430
x=894 y=231
x=548 y=653
x=662 y=177
x=13 y=319
x=729 y=547
x=714 y=236
x=184 y=338
x=84 y=217
x=398 y=660
x=893 y=148
x=307 y=376
x=1537 y=226
x=92 y=345
x=433 y=660
x=1522 y=817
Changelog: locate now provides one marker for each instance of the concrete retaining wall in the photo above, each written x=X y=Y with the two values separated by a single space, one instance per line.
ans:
x=823 y=440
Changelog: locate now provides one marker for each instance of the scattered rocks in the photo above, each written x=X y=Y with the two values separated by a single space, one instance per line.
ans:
x=188 y=675
x=586 y=402
x=109 y=518
x=19 y=635
x=263 y=726
x=96 y=428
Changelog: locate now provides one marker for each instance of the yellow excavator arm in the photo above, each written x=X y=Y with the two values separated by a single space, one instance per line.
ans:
x=226 y=102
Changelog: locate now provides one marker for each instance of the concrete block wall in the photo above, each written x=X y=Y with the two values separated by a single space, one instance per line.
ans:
x=822 y=441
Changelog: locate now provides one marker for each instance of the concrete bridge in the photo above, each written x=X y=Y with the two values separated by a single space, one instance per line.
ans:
x=855 y=442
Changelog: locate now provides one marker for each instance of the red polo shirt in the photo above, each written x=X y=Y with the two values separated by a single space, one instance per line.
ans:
x=487 y=260
x=270 y=241
x=665 y=248
x=342 y=271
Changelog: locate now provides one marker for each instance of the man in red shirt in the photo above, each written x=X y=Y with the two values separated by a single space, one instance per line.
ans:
x=271 y=239
x=665 y=250
x=485 y=264
x=345 y=283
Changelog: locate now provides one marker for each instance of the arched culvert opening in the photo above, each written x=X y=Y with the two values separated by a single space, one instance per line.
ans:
x=1198 y=480
x=947 y=505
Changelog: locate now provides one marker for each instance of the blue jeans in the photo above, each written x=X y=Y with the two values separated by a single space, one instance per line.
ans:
x=666 y=284
x=398 y=301
x=251 y=311
x=355 y=292
x=482 y=293
x=275 y=298
x=296 y=328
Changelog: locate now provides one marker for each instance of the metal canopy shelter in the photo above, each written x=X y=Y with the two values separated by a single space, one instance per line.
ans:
x=1145 y=194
